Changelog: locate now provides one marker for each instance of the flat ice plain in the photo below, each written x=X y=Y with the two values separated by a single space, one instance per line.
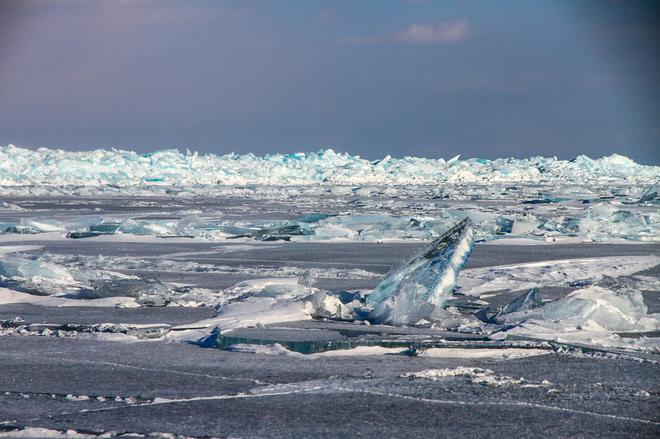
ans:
x=203 y=296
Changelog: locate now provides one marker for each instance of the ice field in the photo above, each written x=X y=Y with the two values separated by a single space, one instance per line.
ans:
x=321 y=294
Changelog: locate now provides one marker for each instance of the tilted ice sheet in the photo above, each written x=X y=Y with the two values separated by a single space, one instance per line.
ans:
x=412 y=289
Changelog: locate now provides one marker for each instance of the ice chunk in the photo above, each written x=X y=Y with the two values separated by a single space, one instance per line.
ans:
x=328 y=306
x=256 y=311
x=413 y=289
x=150 y=292
x=41 y=277
x=42 y=225
x=524 y=302
x=36 y=276
x=564 y=272
x=593 y=317
x=529 y=300
x=281 y=288
x=594 y=309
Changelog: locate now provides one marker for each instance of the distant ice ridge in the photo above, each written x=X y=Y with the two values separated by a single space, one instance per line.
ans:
x=26 y=167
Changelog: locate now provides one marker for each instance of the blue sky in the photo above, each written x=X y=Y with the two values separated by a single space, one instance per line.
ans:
x=476 y=78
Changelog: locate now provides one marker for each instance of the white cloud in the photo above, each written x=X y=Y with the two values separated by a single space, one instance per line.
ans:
x=446 y=32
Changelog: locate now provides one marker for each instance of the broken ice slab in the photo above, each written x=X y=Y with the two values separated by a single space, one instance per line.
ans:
x=412 y=290
x=593 y=309
x=17 y=229
x=524 y=302
x=308 y=337
x=43 y=278
x=283 y=233
x=141 y=331
x=590 y=317
x=150 y=292
x=529 y=300
x=34 y=276
x=313 y=217
x=304 y=341
x=31 y=226
x=651 y=196
x=134 y=330
x=103 y=228
x=589 y=349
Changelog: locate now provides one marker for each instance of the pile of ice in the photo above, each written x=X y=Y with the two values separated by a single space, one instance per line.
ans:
x=311 y=227
x=601 y=221
x=37 y=276
x=589 y=317
x=419 y=292
x=27 y=167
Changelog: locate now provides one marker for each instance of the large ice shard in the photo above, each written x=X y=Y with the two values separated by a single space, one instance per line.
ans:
x=413 y=289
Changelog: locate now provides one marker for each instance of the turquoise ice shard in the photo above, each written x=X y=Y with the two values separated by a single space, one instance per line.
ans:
x=413 y=289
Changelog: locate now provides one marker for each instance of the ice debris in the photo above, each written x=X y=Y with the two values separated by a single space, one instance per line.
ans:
x=598 y=220
x=414 y=289
x=38 y=276
x=594 y=309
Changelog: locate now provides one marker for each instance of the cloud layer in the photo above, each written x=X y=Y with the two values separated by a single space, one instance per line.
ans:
x=446 y=32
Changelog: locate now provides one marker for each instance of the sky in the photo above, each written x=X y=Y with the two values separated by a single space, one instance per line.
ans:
x=368 y=77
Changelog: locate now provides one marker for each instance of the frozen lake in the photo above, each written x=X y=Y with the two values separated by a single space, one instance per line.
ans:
x=277 y=375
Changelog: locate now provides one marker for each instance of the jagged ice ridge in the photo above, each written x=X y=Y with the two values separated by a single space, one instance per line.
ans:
x=43 y=166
